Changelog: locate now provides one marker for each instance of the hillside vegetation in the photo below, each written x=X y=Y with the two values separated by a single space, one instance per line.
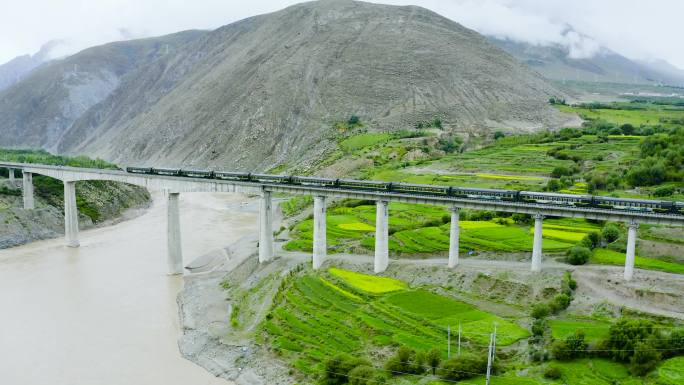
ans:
x=338 y=326
x=627 y=149
x=97 y=201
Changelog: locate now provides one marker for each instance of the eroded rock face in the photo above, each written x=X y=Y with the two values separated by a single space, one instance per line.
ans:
x=268 y=89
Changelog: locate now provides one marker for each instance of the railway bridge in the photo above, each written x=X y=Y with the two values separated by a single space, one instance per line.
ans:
x=173 y=185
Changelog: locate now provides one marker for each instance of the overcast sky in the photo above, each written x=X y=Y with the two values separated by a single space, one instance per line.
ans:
x=635 y=28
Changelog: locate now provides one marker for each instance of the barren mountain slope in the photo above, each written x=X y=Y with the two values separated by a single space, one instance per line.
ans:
x=37 y=110
x=267 y=90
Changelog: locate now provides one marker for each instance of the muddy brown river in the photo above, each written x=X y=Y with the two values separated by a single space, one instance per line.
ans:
x=106 y=313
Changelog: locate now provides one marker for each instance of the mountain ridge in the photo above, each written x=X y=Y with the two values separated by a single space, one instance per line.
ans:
x=267 y=90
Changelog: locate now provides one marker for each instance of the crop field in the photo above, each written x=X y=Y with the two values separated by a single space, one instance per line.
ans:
x=363 y=140
x=650 y=116
x=321 y=315
x=417 y=229
x=594 y=331
x=368 y=283
x=609 y=257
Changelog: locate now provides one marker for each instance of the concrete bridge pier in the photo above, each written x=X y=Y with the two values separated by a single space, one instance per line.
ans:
x=70 y=215
x=174 y=251
x=381 y=237
x=319 y=232
x=265 y=228
x=10 y=172
x=631 y=250
x=537 y=247
x=454 y=237
x=28 y=191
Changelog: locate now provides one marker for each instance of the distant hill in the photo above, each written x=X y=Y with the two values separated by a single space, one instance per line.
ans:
x=19 y=67
x=37 y=110
x=268 y=89
x=554 y=62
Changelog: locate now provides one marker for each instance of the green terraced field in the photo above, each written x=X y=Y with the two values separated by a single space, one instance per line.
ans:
x=609 y=257
x=368 y=283
x=417 y=229
x=363 y=140
x=671 y=372
x=321 y=315
x=594 y=331
x=637 y=118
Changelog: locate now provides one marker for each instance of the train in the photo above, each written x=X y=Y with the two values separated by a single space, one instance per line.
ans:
x=575 y=200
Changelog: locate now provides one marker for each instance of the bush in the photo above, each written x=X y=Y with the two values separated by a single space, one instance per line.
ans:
x=338 y=369
x=578 y=255
x=560 y=351
x=540 y=310
x=538 y=327
x=353 y=120
x=362 y=375
x=433 y=359
x=402 y=361
x=462 y=367
x=553 y=185
x=610 y=233
x=592 y=240
x=553 y=373
x=498 y=135
x=627 y=129
x=560 y=171
x=560 y=302
x=664 y=191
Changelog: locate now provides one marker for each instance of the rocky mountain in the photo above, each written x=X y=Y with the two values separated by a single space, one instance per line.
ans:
x=267 y=90
x=19 y=67
x=554 y=62
x=37 y=110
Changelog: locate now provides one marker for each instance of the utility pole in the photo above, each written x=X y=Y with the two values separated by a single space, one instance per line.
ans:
x=459 y=338
x=489 y=358
x=448 y=341
x=494 y=341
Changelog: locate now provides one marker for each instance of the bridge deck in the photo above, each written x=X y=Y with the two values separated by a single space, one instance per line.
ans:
x=190 y=184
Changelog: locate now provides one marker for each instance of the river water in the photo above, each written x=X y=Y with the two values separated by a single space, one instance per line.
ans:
x=106 y=313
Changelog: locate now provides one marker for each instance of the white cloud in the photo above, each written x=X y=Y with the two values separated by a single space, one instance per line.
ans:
x=634 y=28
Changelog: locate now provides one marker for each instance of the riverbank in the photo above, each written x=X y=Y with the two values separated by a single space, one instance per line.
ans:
x=105 y=204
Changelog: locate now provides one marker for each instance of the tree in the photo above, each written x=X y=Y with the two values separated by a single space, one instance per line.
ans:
x=553 y=185
x=560 y=302
x=401 y=361
x=498 y=135
x=610 y=233
x=434 y=357
x=592 y=240
x=576 y=344
x=462 y=367
x=578 y=255
x=664 y=191
x=644 y=360
x=338 y=368
x=353 y=120
x=538 y=327
x=560 y=351
x=627 y=129
x=623 y=336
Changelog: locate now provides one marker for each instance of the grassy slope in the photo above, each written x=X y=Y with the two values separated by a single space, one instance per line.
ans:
x=514 y=162
x=320 y=315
